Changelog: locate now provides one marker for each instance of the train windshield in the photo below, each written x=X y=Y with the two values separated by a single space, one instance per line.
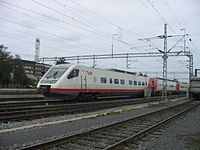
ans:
x=56 y=73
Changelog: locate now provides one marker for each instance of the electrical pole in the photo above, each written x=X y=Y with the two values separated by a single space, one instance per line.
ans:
x=94 y=62
x=113 y=44
x=164 y=92
x=165 y=53
x=184 y=42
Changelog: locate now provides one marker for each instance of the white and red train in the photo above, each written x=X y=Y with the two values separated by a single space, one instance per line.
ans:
x=75 y=81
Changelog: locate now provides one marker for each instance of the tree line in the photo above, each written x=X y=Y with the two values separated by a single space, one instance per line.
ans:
x=11 y=69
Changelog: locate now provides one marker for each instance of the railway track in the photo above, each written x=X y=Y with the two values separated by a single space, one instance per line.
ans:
x=28 y=112
x=122 y=135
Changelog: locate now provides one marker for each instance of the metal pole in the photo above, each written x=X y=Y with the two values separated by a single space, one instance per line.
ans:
x=113 y=44
x=78 y=60
x=164 y=92
x=184 y=43
x=127 y=62
x=190 y=66
x=94 y=62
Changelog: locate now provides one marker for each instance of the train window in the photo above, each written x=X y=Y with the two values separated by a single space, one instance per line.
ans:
x=130 y=82
x=110 y=80
x=55 y=73
x=139 y=82
x=143 y=83
x=116 y=81
x=122 y=81
x=103 y=80
x=135 y=82
x=74 y=73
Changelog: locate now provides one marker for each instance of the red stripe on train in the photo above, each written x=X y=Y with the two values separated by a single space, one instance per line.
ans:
x=93 y=90
x=102 y=90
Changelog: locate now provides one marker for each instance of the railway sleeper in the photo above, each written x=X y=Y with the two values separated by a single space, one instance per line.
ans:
x=102 y=138
x=119 y=135
x=91 y=144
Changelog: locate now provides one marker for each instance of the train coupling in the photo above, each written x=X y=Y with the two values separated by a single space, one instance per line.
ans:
x=45 y=89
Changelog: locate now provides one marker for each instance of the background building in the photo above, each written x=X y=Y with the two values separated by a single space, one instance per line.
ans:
x=35 y=70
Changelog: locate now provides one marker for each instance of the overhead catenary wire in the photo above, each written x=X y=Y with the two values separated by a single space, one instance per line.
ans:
x=172 y=12
x=42 y=31
x=56 y=26
x=157 y=13
x=67 y=16
x=31 y=43
x=63 y=20
x=94 y=14
x=97 y=16
x=60 y=4
x=52 y=18
x=28 y=42
x=39 y=30
x=160 y=17
x=21 y=40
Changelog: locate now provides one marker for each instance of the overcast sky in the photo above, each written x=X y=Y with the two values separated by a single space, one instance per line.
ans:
x=78 y=27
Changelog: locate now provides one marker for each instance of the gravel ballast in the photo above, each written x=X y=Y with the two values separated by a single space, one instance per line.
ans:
x=13 y=140
x=182 y=134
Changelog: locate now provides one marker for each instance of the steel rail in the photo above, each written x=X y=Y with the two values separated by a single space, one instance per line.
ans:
x=9 y=114
x=142 y=133
x=60 y=141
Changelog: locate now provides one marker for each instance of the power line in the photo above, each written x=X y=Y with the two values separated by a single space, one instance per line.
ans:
x=98 y=17
x=161 y=17
x=63 y=5
x=157 y=12
x=43 y=31
x=149 y=8
x=64 y=15
x=28 y=42
x=94 y=14
x=58 y=27
x=19 y=53
x=50 y=17
x=173 y=13
x=52 y=34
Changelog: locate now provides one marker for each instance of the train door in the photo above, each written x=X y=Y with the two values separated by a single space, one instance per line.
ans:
x=153 y=86
x=84 y=80
x=177 y=87
x=153 y=83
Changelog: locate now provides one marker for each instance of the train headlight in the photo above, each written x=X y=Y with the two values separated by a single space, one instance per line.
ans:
x=43 y=81
x=53 y=81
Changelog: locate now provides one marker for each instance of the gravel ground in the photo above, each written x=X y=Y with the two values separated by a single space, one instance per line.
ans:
x=182 y=134
x=13 y=140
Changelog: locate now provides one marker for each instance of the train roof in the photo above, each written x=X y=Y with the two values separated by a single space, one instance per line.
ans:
x=167 y=79
x=122 y=71
x=172 y=80
x=194 y=78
